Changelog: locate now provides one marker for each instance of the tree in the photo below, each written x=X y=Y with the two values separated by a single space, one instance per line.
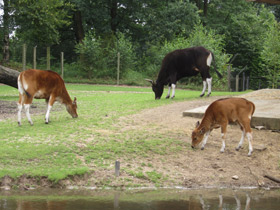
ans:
x=170 y=20
x=244 y=25
x=6 y=30
x=271 y=55
x=39 y=20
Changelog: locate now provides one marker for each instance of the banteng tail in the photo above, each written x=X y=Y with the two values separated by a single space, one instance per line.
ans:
x=218 y=73
x=21 y=87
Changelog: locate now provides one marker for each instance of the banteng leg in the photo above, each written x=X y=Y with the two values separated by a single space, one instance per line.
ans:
x=205 y=140
x=50 y=104
x=27 y=102
x=24 y=101
x=224 y=131
x=209 y=82
x=173 y=86
x=204 y=88
x=26 y=107
x=242 y=139
x=250 y=137
x=169 y=89
x=248 y=132
x=20 y=103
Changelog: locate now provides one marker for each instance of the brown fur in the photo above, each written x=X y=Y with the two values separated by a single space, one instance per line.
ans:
x=220 y=113
x=47 y=85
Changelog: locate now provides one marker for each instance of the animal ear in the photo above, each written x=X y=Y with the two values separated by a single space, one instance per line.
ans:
x=149 y=80
x=197 y=124
x=75 y=100
x=202 y=130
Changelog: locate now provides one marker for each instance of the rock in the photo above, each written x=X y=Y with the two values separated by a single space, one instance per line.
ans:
x=235 y=177
x=260 y=147
x=261 y=183
x=260 y=127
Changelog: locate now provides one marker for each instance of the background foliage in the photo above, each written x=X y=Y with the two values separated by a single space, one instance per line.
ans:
x=91 y=33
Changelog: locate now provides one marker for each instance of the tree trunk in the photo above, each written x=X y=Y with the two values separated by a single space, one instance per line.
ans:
x=8 y=76
x=113 y=13
x=6 y=42
x=205 y=7
x=78 y=26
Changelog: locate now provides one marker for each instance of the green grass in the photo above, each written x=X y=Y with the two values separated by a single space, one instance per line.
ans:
x=90 y=142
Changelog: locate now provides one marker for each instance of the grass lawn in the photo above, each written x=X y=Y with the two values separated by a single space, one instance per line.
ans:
x=88 y=143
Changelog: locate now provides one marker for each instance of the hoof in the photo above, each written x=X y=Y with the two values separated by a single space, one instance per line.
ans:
x=237 y=148
x=46 y=122
x=208 y=94
x=167 y=97
x=201 y=95
x=202 y=148
x=222 y=151
x=250 y=153
x=173 y=97
x=19 y=124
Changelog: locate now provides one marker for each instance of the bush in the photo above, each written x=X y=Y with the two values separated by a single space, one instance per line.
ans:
x=270 y=56
x=98 y=56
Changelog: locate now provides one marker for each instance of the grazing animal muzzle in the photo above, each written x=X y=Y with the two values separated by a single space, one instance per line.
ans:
x=157 y=89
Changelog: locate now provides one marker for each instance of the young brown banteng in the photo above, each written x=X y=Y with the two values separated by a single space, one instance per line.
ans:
x=219 y=114
x=47 y=85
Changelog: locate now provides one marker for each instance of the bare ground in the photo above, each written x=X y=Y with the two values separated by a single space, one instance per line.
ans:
x=187 y=168
x=210 y=168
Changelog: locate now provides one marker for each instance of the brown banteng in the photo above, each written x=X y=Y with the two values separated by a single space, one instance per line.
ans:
x=47 y=85
x=219 y=114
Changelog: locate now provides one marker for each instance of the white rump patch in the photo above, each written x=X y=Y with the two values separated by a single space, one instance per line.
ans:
x=25 y=84
x=250 y=117
x=20 y=88
x=209 y=59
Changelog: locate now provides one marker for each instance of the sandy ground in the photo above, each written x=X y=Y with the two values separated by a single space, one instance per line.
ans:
x=210 y=168
x=196 y=168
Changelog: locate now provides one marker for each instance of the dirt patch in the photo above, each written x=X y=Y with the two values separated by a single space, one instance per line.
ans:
x=209 y=168
x=9 y=109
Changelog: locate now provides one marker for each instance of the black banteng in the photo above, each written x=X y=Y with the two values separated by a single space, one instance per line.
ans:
x=184 y=63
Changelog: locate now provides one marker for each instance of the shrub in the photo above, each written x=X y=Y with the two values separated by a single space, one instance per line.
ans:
x=98 y=56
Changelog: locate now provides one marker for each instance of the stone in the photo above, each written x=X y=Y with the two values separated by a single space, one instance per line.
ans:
x=235 y=177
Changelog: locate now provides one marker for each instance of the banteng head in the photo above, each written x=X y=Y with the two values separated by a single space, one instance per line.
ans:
x=157 y=88
x=197 y=135
x=72 y=108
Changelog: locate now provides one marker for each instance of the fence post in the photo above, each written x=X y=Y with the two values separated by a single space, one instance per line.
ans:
x=243 y=85
x=247 y=85
x=34 y=57
x=48 y=58
x=228 y=77
x=118 y=69
x=237 y=83
x=62 y=63
x=24 y=57
x=117 y=168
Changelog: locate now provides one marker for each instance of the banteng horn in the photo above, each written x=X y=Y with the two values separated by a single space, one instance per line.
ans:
x=149 y=80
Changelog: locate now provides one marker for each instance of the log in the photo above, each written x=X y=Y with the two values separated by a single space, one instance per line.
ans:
x=272 y=178
x=8 y=76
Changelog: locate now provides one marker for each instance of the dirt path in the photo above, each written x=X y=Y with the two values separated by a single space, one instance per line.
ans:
x=210 y=168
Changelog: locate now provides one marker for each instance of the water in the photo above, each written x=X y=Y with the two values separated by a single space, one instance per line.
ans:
x=225 y=199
